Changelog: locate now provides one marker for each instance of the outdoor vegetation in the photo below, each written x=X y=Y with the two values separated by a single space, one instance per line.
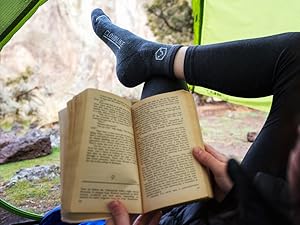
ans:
x=171 y=21
x=38 y=196
x=14 y=94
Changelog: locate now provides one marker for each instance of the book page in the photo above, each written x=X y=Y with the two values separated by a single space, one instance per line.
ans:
x=166 y=130
x=66 y=169
x=68 y=154
x=63 y=126
x=107 y=165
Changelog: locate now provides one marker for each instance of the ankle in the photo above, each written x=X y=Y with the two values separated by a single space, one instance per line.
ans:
x=178 y=65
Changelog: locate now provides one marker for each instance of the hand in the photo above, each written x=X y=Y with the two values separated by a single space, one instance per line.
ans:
x=120 y=216
x=216 y=163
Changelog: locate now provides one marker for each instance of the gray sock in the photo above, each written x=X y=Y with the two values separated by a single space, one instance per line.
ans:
x=137 y=58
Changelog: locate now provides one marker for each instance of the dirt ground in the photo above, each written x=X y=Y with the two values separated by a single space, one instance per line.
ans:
x=224 y=126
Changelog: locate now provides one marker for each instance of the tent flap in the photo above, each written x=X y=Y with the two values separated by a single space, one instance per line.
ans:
x=14 y=13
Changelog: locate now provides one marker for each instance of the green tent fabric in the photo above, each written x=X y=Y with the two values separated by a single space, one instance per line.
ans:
x=14 y=13
x=222 y=20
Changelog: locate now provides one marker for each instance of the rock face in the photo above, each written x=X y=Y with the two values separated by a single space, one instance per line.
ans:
x=14 y=148
x=59 y=45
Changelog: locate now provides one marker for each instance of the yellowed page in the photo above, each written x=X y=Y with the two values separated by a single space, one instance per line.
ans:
x=63 y=126
x=66 y=157
x=68 y=152
x=166 y=129
x=107 y=165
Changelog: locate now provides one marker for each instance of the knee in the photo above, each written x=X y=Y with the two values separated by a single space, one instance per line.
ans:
x=294 y=42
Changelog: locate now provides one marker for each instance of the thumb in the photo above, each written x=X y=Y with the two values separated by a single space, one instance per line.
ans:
x=208 y=160
x=119 y=213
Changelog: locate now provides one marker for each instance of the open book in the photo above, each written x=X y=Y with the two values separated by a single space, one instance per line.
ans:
x=139 y=153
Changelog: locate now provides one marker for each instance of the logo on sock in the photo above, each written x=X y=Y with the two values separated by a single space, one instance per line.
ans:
x=161 y=53
x=113 y=38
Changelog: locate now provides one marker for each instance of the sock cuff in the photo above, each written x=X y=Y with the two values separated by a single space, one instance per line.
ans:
x=174 y=49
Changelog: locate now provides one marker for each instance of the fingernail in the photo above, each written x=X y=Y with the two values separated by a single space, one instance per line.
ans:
x=198 y=150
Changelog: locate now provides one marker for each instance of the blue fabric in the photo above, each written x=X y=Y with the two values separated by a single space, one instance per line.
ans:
x=53 y=218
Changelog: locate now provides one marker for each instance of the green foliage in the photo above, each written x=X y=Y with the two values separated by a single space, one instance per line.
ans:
x=171 y=21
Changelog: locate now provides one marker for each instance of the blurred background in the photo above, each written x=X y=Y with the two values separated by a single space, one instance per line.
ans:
x=56 y=54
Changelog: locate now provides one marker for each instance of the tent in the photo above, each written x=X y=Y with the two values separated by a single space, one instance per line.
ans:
x=214 y=21
x=218 y=21
x=14 y=13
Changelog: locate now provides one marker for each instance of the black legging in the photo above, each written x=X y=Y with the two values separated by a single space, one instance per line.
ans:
x=250 y=68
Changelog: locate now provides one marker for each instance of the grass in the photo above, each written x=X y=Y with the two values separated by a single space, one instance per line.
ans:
x=9 y=169
x=36 y=196
x=26 y=190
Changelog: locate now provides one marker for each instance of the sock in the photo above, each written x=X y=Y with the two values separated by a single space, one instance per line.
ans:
x=137 y=58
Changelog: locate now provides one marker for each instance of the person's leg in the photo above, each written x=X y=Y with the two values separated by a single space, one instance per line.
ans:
x=247 y=68
x=178 y=66
x=227 y=67
x=159 y=85
x=137 y=58
x=236 y=68
x=254 y=68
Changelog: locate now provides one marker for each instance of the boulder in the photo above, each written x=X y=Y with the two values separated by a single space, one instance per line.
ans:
x=6 y=138
x=13 y=148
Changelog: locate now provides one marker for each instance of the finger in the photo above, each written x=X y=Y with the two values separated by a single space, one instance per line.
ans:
x=119 y=213
x=215 y=153
x=208 y=160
